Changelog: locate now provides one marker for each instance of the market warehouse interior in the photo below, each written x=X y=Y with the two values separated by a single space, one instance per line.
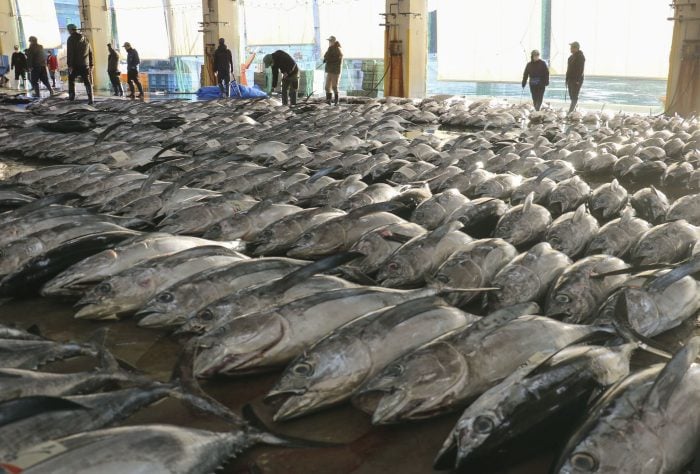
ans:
x=349 y=236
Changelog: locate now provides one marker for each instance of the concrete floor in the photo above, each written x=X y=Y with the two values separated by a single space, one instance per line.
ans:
x=363 y=449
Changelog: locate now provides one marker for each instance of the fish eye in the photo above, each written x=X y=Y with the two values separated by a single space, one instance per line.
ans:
x=483 y=424
x=584 y=462
x=303 y=369
x=165 y=297
x=562 y=298
x=104 y=288
x=206 y=315
x=392 y=266
x=394 y=371
x=306 y=237
x=554 y=241
x=215 y=228
x=442 y=278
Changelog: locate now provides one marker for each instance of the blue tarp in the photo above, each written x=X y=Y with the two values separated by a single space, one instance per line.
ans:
x=212 y=92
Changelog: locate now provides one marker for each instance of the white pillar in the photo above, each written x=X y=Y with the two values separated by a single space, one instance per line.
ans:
x=406 y=48
x=683 y=88
x=9 y=35
x=96 y=26
x=220 y=20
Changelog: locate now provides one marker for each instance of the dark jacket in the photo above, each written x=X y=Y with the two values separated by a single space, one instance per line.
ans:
x=132 y=59
x=538 y=72
x=333 y=59
x=574 y=70
x=281 y=61
x=36 y=57
x=113 y=61
x=78 y=51
x=19 y=62
x=223 y=60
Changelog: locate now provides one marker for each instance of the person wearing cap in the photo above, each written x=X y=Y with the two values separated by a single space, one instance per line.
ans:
x=538 y=72
x=19 y=64
x=36 y=59
x=281 y=61
x=574 y=73
x=113 y=70
x=223 y=67
x=52 y=64
x=132 y=70
x=80 y=62
x=333 y=58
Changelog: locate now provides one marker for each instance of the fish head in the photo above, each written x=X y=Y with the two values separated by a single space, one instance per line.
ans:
x=230 y=228
x=652 y=248
x=376 y=249
x=239 y=345
x=327 y=374
x=321 y=240
x=205 y=319
x=114 y=296
x=399 y=270
x=16 y=253
x=643 y=314
x=607 y=448
x=169 y=307
x=517 y=284
x=416 y=386
x=571 y=299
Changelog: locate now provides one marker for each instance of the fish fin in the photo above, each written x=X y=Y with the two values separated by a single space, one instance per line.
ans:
x=356 y=275
x=579 y=213
x=190 y=392
x=45 y=202
x=660 y=283
x=262 y=433
x=440 y=232
x=372 y=208
x=636 y=269
x=303 y=273
x=527 y=204
x=34 y=329
x=323 y=172
x=671 y=376
x=21 y=408
x=623 y=327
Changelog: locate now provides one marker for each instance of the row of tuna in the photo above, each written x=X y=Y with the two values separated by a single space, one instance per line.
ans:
x=510 y=272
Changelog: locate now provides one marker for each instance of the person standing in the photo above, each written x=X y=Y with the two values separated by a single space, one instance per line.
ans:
x=574 y=73
x=19 y=64
x=113 y=70
x=52 y=63
x=281 y=61
x=80 y=62
x=334 y=61
x=36 y=59
x=132 y=70
x=223 y=67
x=538 y=72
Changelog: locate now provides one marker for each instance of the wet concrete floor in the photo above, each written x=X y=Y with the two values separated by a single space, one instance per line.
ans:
x=362 y=449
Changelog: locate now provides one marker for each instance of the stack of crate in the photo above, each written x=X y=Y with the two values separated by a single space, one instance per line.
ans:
x=372 y=78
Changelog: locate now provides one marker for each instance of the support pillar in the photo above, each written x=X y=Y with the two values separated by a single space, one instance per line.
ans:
x=96 y=26
x=9 y=35
x=406 y=48
x=683 y=88
x=220 y=20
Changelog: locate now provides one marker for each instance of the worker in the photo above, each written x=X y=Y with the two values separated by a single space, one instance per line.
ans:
x=223 y=67
x=334 y=61
x=538 y=72
x=19 y=64
x=132 y=70
x=36 y=59
x=52 y=64
x=281 y=61
x=574 y=73
x=113 y=70
x=80 y=62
